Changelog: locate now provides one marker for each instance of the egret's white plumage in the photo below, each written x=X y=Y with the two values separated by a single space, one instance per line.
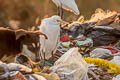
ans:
x=51 y=28
x=69 y=5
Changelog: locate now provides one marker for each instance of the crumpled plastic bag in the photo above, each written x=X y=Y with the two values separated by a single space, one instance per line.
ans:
x=50 y=76
x=116 y=78
x=66 y=44
x=87 y=42
x=18 y=67
x=103 y=35
x=14 y=67
x=38 y=77
x=71 y=66
x=100 y=53
x=111 y=48
x=16 y=75
x=116 y=59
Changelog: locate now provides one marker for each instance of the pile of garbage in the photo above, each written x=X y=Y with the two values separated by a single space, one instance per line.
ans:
x=98 y=43
x=70 y=66
x=87 y=51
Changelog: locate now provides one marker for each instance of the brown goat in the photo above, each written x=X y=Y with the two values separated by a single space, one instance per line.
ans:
x=19 y=41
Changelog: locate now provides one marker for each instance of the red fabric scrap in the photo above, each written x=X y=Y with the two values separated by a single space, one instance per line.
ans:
x=113 y=50
x=64 y=38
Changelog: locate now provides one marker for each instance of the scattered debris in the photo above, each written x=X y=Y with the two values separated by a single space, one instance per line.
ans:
x=71 y=66
x=88 y=50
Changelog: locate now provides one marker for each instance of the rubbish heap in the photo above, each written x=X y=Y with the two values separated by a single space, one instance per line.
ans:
x=87 y=51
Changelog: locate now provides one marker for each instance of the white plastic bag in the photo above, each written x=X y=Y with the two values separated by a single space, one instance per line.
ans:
x=117 y=77
x=38 y=77
x=116 y=59
x=71 y=66
x=18 y=67
x=100 y=53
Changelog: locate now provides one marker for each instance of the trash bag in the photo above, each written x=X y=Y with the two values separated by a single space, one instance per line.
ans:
x=65 y=44
x=71 y=66
x=37 y=77
x=87 y=42
x=116 y=59
x=117 y=45
x=18 y=67
x=16 y=75
x=100 y=53
x=117 y=77
x=50 y=76
x=111 y=48
x=103 y=35
x=25 y=60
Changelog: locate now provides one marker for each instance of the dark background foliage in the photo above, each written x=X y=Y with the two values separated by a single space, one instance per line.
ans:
x=26 y=11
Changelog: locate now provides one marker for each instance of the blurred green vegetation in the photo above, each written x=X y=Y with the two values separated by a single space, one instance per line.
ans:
x=26 y=11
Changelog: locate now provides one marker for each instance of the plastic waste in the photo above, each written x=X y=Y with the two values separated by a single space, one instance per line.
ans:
x=16 y=75
x=103 y=35
x=38 y=77
x=71 y=66
x=51 y=76
x=64 y=38
x=87 y=42
x=66 y=44
x=111 y=48
x=100 y=53
x=116 y=78
x=116 y=59
x=18 y=67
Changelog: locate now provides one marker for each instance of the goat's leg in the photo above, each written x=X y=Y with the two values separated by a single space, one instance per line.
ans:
x=38 y=57
x=42 y=57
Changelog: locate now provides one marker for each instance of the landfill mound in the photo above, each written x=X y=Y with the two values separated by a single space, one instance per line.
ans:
x=88 y=51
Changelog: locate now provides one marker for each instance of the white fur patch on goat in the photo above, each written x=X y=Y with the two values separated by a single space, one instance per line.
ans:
x=38 y=44
x=28 y=53
x=33 y=44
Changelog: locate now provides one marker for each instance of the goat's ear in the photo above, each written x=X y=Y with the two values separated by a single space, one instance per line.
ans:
x=42 y=34
x=20 y=33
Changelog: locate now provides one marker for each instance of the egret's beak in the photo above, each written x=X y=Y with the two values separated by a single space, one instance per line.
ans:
x=63 y=22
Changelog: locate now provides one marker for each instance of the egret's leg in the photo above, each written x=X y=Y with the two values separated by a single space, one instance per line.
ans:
x=58 y=11
x=53 y=57
x=52 y=54
x=61 y=13
x=41 y=55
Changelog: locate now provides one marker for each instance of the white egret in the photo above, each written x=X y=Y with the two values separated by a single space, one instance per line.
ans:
x=51 y=28
x=68 y=5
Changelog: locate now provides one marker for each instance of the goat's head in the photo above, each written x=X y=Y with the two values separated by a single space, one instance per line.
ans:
x=30 y=44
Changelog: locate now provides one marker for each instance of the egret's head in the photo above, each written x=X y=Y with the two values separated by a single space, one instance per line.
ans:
x=56 y=19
